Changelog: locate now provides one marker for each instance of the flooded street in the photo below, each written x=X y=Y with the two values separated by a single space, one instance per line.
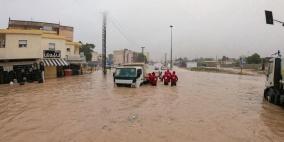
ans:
x=203 y=107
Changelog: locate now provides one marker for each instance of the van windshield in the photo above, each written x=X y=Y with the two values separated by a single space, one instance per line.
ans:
x=125 y=72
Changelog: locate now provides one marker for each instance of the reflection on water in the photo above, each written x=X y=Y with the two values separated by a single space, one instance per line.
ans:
x=203 y=107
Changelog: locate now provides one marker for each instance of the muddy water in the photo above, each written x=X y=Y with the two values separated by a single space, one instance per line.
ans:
x=203 y=107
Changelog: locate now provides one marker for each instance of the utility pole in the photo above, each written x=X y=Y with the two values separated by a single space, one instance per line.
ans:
x=171 y=26
x=104 y=43
x=143 y=54
x=166 y=59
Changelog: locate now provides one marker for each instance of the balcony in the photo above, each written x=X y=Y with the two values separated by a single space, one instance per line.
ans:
x=76 y=59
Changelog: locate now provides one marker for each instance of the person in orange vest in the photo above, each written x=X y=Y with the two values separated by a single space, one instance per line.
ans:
x=154 y=79
x=174 y=79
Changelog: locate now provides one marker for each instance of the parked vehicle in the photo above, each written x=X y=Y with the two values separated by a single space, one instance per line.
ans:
x=274 y=91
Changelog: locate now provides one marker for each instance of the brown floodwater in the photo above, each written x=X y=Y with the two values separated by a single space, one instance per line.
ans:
x=203 y=107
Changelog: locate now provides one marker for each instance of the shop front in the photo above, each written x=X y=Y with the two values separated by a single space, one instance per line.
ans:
x=77 y=64
x=1 y=75
x=19 y=70
x=54 y=64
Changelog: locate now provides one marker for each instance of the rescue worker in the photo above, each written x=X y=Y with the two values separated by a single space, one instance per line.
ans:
x=154 y=79
x=166 y=78
x=174 y=79
x=168 y=72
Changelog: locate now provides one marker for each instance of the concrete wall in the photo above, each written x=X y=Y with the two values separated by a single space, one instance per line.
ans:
x=12 y=50
x=71 y=52
x=95 y=56
x=191 y=64
x=252 y=66
x=66 y=32
x=50 y=72
x=118 y=57
x=60 y=44
x=228 y=65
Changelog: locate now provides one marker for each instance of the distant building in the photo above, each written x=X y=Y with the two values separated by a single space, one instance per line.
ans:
x=110 y=59
x=207 y=64
x=123 y=56
x=95 y=56
x=147 y=55
x=191 y=64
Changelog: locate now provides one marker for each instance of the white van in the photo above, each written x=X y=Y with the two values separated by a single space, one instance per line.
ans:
x=129 y=75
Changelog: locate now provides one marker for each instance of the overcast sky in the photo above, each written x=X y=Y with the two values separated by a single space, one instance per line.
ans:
x=202 y=28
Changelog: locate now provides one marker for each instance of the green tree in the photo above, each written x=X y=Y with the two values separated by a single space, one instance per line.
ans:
x=140 y=58
x=87 y=49
x=253 y=59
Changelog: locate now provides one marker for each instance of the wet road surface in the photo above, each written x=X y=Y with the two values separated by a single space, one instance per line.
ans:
x=203 y=107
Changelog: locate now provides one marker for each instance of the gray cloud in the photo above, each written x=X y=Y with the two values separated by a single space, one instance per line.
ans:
x=202 y=27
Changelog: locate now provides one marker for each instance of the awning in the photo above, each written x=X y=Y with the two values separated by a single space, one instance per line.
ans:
x=55 y=62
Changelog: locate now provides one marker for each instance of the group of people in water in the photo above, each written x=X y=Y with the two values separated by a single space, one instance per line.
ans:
x=167 y=78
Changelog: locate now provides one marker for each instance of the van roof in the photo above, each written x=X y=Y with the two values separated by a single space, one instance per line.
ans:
x=128 y=67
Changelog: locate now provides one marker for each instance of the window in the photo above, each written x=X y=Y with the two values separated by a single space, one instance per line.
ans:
x=23 y=43
x=68 y=49
x=125 y=72
x=51 y=46
x=2 y=43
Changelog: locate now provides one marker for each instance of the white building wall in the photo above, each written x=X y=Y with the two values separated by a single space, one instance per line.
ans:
x=12 y=50
x=60 y=44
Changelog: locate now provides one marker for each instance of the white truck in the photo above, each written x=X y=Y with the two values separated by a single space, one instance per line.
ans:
x=133 y=75
x=274 y=92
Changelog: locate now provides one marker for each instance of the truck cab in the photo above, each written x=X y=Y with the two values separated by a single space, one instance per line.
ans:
x=274 y=92
x=129 y=75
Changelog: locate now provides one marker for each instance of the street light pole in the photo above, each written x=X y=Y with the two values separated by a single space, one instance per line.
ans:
x=143 y=54
x=171 y=26
x=104 y=43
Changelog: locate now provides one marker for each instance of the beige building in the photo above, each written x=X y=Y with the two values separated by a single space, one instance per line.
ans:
x=147 y=55
x=26 y=43
x=95 y=56
x=123 y=56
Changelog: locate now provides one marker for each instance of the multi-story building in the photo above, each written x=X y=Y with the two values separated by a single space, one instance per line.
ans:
x=25 y=44
x=95 y=56
x=123 y=56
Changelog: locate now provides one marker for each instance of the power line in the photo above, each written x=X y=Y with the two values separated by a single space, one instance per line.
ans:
x=116 y=24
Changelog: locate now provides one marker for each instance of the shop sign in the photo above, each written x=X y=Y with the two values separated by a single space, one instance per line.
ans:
x=51 y=54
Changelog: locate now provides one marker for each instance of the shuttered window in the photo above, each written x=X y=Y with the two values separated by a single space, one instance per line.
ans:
x=23 y=43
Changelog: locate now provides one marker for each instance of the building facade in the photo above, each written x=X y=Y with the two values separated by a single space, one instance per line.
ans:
x=26 y=44
x=123 y=56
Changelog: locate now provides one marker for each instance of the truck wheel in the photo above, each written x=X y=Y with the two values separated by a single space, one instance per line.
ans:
x=265 y=94
x=281 y=98
x=270 y=95
x=276 y=97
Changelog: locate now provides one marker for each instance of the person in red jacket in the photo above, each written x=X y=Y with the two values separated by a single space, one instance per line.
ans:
x=168 y=72
x=154 y=79
x=166 y=78
x=174 y=79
